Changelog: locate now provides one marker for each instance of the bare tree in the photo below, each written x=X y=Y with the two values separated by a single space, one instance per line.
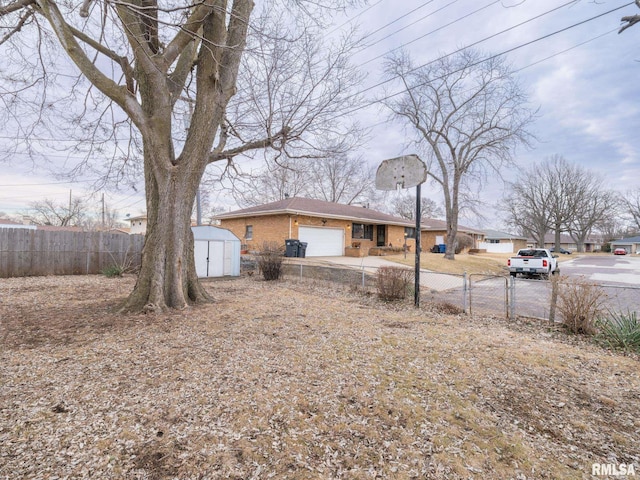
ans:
x=593 y=205
x=560 y=197
x=631 y=202
x=149 y=65
x=277 y=181
x=48 y=212
x=468 y=115
x=527 y=206
x=404 y=205
x=339 y=179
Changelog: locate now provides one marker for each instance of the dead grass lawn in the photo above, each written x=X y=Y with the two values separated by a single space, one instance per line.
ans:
x=297 y=381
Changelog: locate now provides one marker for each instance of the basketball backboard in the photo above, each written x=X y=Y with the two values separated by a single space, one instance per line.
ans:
x=401 y=172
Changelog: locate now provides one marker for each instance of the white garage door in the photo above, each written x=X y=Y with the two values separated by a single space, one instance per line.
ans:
x=322 y=241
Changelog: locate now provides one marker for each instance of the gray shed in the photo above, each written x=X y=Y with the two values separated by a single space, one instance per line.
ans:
x=216 y=252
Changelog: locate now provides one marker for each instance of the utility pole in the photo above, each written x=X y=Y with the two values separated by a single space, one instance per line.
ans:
x=103 y=211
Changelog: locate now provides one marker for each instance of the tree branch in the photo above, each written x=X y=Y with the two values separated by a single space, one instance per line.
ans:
x=631 y=20
x=256 y=144
x=15 y=6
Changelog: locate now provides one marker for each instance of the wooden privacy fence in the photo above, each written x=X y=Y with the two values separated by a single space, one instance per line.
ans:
x=25 y=252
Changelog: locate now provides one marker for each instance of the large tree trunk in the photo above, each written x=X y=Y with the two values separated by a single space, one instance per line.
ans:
x=167 y=277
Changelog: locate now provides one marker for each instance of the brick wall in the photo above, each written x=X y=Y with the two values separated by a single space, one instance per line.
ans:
x=278 y=228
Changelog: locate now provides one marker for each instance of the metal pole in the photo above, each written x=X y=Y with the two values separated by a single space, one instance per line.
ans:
x=464 y=292
x=416 y=300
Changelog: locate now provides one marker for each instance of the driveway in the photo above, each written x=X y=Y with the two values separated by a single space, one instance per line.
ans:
x=608 y=269
x=432 y=280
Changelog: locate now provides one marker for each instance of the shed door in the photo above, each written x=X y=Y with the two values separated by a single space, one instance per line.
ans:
x=201 y=257
x=212 y=258
x=322 y=241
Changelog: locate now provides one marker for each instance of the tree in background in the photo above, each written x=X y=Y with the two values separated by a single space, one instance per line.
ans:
x=245 y=83
x=527 y=207
x=468 y=115
x=631 y=202
x=557 y=196
x=70 y=214
x=404 y=205
x=338 y=179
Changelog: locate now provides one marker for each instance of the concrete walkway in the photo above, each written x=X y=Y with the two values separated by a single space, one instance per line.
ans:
x=370 y=264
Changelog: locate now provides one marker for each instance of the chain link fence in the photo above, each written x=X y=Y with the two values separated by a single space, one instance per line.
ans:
x=477 y=294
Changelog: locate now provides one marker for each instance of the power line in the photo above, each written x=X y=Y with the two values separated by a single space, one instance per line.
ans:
x=354 y=17
x=428 y=33
x=401 y=17
x=504 y=52
x=524 y=67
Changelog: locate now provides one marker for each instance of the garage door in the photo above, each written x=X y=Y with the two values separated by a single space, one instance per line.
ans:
x=322 y=241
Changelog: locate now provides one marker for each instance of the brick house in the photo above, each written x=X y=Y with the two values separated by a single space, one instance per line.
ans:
x=329 y=229
x=434 y=232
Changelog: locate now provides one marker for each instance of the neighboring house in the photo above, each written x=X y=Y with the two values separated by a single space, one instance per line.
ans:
x=566 y=242
x=434 y=232
x=329 y=229
x=501 y=242
x=631 y=244
x=137 y=224
x=6 y=223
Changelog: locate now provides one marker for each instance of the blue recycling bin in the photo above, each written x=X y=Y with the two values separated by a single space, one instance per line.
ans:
x=442 y=248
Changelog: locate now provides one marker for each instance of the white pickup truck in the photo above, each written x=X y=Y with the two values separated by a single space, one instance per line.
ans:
x=533 y=262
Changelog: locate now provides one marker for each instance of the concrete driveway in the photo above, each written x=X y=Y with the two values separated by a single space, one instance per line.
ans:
x=609 y=269
x=432 y=280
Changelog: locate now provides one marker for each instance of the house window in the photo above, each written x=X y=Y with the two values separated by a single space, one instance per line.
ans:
x=248 y=232
x=359 y=230
x=409 y=232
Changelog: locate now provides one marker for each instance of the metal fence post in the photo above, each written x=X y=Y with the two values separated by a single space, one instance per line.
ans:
x=512 y=298
x=464 y=293
x=300 y=271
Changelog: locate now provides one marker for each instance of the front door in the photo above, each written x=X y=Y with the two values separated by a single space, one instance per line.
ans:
x=381 y=239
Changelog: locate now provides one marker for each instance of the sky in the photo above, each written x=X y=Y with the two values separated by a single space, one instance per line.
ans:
x=579 y=73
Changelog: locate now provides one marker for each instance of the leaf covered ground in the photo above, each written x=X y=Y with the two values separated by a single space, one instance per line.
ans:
x=298 y=381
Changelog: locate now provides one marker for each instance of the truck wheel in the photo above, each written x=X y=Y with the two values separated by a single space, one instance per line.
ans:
x=513 y=274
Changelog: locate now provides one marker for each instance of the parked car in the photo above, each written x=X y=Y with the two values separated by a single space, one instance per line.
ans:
x=619 y=251
x=562 y=250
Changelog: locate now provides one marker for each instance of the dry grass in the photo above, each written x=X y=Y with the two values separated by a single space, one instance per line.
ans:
x=295 y=381
x=479 y=263
x=492 y=264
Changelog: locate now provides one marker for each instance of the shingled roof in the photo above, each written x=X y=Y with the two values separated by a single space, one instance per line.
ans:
x=320 y=208
x=317 y=208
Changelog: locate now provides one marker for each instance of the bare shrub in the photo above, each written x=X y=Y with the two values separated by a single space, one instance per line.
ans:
x=270 y=260
x=393 y=282
x=580 y=304
x=463 y=241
